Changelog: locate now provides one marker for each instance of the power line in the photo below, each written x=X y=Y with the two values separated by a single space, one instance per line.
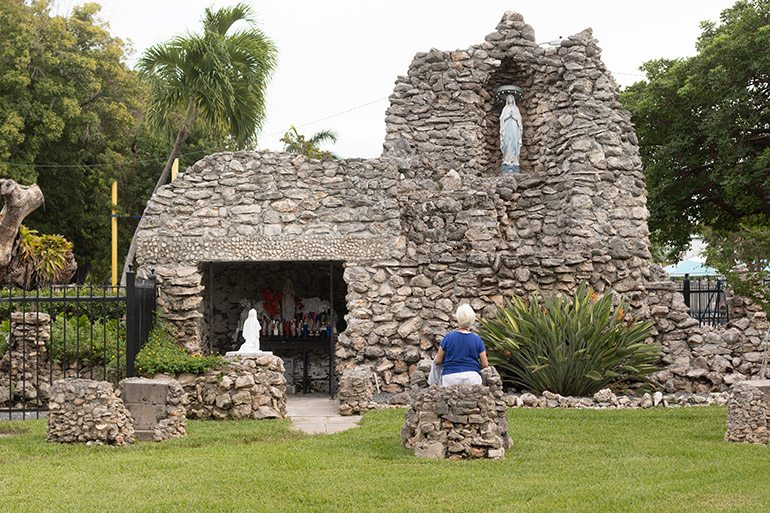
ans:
x=108 y=164
x=280 y=132
x=630 y=74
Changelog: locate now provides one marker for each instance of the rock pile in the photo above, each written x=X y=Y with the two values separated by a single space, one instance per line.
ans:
x=243 y=387
x=605 y=399
x=355 y=391
x=748 y=412
x=88 y=412
x=157 y=407
x=456 y=422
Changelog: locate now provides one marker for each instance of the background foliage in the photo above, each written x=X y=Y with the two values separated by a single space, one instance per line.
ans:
x=742 y=256
x=72 y=121
x=703 y=125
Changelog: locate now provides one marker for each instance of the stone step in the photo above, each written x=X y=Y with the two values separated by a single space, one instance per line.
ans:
x=144 y=435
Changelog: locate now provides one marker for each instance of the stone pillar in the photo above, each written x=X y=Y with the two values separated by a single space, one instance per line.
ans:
x=456 y=422
x=748 y=412
x=27 y=357
x=28 y=339
x=356 y=390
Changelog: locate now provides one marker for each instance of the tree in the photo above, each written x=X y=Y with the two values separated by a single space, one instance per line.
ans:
x=294 y=142
x=26 y=258
x=704 y=128
x=68 y=104
x=742 y=256
x=217 y=79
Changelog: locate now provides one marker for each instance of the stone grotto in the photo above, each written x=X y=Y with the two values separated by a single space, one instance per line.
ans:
x=385 y=248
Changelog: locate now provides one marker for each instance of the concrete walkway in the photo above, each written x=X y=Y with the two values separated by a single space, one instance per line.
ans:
x=317 y=413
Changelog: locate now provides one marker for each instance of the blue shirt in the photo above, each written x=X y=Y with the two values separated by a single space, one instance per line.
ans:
x=462 y=352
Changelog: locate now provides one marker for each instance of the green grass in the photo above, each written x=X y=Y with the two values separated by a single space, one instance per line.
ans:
x=671 y=460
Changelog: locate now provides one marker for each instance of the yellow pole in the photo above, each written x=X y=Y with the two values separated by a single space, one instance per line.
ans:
x=174 y=169
x=114 y=234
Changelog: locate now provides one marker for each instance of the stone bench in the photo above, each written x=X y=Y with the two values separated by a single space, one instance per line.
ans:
x=456 y=422
x=88 y=412
x=748 y=412
x=157 y=407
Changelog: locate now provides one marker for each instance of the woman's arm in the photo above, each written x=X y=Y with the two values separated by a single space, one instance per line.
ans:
x=441 y=353
x=483 y=359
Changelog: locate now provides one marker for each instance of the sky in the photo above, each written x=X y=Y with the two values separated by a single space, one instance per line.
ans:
x=338 y=59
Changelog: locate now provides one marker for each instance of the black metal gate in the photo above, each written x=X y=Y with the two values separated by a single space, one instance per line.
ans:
x=706 y=300
x=69 y=331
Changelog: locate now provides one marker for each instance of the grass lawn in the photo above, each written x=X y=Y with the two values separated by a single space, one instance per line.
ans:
x=661 y=460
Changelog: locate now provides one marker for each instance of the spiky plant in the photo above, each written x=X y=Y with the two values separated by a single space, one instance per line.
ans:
x=568 y=345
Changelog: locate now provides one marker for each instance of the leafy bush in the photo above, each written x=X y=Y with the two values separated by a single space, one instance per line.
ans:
x=92 y=342
x=161 y=353
x=47 y=255
x=568 y=345
x=5 y=327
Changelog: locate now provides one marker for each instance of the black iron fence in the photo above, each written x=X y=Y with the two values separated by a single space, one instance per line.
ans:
x=57 y=332
x=705 y=299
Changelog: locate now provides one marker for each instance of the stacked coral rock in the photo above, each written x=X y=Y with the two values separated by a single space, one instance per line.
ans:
x=456 y=422
x=26 y=357
x=88 y=412
x=355 y=391
x=748 y=412
x=175 y=423
x=244 y=387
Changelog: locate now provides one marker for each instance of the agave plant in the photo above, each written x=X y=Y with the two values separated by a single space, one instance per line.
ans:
x=568 y=345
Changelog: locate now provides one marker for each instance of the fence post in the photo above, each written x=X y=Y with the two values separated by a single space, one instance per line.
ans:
x=686 y=290
x=146 y=307
x=132 y=327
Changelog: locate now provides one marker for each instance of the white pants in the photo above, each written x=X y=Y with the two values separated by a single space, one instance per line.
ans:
x=461 y=378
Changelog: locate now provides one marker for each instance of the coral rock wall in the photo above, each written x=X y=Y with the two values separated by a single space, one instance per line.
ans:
x=431 y=223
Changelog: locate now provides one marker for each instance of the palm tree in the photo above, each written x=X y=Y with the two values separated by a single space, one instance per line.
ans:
x=217 y=79
x=294 y=142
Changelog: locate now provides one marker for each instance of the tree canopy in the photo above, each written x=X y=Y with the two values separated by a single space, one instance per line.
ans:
x=67 y=103
x=703 y=125
x=217 y=79
x=72 y=120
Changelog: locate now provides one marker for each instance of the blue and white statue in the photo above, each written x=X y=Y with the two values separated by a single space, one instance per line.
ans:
x=510 y=135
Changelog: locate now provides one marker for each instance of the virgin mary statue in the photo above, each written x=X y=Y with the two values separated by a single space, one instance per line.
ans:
x=510 y=135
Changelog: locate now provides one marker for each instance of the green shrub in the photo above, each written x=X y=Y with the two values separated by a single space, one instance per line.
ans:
x=568 y=345
x=5 y=327
x=92 y=342
x=161 y=353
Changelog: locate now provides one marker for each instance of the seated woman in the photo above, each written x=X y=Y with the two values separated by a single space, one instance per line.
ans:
x=462 y=352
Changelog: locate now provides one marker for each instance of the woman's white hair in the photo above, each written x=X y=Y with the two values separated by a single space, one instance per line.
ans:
x=465 y=316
